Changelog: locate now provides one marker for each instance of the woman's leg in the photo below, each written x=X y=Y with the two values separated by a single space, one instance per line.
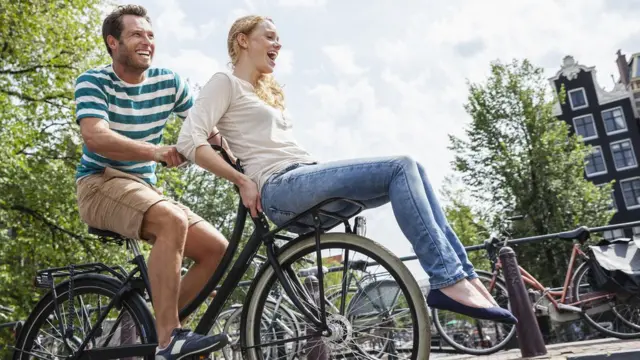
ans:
x=441 y=220
x=451 y=236
x=370 y=181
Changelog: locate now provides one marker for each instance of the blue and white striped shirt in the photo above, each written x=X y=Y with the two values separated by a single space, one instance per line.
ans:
x=137 y=111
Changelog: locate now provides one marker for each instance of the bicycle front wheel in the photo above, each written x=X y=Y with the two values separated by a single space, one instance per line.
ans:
x=388 y=320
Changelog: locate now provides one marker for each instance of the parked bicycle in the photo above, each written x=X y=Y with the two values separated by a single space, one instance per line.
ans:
x=611 y=313
x=13 y=326
x=99 y=311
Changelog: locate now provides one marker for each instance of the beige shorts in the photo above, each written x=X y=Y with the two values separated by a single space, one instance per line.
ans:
x=117 y=201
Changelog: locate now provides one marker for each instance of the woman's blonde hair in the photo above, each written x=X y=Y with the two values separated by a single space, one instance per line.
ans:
x=267 y=88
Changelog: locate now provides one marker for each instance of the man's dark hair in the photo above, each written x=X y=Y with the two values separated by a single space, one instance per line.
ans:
x=112 y=24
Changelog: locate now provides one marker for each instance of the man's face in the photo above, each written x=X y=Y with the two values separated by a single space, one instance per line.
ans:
x=136 y=46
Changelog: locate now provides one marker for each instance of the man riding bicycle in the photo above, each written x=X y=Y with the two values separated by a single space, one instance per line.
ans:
x=122 y=109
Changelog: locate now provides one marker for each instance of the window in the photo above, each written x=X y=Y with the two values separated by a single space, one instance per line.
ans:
x=614 y=121
x=585 y=127
x=578 y=99
x=623 y=155
x=613 y=234
x=631 y=192
x=595 y=162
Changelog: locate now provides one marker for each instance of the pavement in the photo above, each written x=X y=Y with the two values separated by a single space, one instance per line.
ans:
x=609 y=349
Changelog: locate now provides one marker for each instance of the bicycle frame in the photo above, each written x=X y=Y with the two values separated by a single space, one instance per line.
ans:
x=555 y=296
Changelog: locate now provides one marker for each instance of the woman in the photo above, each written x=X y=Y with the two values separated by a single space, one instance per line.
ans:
x=247 y=106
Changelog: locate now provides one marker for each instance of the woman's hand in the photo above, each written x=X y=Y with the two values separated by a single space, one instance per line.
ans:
x=250 y=196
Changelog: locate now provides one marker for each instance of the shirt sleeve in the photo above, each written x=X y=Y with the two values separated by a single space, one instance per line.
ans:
x=212 y=102
x=90 y=99
x=184 y=101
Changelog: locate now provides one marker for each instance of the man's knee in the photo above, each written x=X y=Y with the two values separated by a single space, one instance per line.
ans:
x=164 y=218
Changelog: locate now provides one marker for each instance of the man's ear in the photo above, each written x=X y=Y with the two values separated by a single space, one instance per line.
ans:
x=112 y=42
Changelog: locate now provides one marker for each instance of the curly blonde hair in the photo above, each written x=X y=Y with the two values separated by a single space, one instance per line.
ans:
x=266 y=88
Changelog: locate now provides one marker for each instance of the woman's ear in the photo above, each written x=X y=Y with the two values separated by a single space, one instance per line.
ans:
x=243 y=41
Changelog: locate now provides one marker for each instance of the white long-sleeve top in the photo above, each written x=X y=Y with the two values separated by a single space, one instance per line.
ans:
x=258 y=134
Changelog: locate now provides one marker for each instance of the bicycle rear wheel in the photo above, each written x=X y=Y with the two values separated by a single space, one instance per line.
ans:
x=617 y=316
x=357 y=329
x=52 y=332
x=473 y=336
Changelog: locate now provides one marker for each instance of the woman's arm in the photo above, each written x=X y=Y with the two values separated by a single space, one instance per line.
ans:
x=193 y=142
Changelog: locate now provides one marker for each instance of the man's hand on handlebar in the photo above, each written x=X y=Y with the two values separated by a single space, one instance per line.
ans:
x=168 y=156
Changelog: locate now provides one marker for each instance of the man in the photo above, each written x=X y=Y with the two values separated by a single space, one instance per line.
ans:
x=122 y=109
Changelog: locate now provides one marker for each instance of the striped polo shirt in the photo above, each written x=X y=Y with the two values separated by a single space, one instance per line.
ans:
x=137 y=111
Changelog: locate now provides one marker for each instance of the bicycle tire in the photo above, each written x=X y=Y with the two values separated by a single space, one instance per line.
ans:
x=86 y=284
x=501 y=345
x=575 y=284
x=296 y=249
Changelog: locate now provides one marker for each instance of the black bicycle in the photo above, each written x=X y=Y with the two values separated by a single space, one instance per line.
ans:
x=97 y=311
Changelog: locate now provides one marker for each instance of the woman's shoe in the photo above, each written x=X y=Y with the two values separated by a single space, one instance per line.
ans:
x=438 y=300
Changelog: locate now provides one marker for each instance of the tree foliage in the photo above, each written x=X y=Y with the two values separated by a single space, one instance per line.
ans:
x=44 y=46
x=517 y=158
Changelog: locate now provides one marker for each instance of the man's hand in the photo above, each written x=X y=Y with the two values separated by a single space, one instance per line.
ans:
x=250 y=197
x=169 y=155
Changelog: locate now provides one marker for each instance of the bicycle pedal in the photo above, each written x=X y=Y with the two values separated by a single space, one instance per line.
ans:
x=569 y=308
x=201 y=357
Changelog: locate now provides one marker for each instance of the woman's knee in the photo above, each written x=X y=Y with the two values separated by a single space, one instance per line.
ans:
x=406 y=162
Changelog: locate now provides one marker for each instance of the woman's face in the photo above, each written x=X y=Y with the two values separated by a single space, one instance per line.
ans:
x=263 y=45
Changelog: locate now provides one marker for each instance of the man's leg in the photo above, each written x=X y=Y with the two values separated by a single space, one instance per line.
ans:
x=166 y=225
x=205 y=246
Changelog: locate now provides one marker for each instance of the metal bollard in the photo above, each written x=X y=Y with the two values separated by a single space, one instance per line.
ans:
x=529 y=336
x=316 y=347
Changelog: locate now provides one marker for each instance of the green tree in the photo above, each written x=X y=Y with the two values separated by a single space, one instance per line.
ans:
x=44 y=46
x=518 y=158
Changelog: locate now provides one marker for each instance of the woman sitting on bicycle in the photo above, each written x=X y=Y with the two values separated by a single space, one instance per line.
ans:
x=247 y=106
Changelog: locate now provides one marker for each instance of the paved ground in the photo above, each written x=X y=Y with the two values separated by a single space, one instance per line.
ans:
x=582 y=350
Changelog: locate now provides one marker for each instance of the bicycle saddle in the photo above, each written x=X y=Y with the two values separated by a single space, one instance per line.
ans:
x=581 y=234
x=104 y=233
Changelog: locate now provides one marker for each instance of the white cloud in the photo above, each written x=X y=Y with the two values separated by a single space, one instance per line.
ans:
x=342 y=57
x=301 y=3
x=173 y=21
x=284 y=62
x=192 y=64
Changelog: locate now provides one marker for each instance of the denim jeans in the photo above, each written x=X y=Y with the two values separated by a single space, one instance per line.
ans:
x=375 y=182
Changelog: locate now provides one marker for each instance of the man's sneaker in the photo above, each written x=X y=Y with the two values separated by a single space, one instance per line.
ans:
x=186 y=343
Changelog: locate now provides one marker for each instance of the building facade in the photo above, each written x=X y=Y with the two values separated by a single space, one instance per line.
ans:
x=608 y=121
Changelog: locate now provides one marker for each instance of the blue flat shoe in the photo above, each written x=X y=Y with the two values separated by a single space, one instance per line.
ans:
x=438 y=300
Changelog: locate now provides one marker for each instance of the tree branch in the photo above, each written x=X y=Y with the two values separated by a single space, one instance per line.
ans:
x=52 y=226
x=34 y=68
x=47 y=99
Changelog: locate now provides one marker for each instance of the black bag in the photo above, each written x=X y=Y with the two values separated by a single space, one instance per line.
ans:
x=615 y=266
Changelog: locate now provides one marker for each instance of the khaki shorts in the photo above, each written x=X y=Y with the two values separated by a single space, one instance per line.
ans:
x=117 y=201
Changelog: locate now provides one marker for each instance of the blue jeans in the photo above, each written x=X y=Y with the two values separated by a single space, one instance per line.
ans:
x=375 y=182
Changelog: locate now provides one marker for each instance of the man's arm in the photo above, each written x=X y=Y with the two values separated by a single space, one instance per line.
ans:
x=100 y=139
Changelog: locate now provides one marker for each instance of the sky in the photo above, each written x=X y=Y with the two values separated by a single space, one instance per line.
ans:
x=380 y=77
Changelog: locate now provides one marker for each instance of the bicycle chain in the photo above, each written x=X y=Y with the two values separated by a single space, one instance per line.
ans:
x=70 y=307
